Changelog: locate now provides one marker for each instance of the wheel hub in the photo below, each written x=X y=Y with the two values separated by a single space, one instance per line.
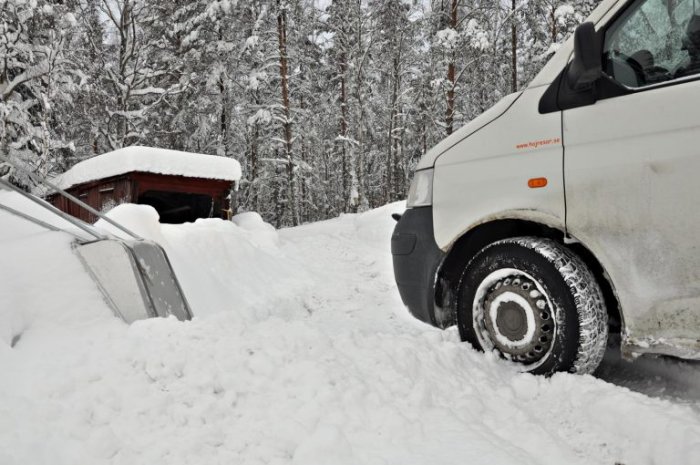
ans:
x=511 y=320
x=515 y=317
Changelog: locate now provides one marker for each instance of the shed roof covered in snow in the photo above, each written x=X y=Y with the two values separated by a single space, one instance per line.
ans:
x=150 y=160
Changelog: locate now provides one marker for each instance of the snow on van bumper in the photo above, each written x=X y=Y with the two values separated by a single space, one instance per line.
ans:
x=416 y=259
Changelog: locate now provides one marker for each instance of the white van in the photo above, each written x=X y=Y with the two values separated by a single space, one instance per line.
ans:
x=572 y=208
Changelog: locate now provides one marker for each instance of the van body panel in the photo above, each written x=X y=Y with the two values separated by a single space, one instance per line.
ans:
x=468 y=129
x=633 y=198
x=488 y=172
x=623 y=179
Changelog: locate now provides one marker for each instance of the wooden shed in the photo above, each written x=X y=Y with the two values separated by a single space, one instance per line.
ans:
x=181 y=186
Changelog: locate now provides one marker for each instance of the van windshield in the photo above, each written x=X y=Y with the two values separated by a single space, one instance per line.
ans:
x=653 y=42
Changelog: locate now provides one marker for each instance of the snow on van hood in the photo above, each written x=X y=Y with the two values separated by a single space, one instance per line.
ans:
x=493 y=113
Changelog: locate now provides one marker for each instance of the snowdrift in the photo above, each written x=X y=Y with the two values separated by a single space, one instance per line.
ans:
x=300 y=352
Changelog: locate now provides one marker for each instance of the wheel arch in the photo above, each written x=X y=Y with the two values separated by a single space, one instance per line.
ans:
x=450 y=272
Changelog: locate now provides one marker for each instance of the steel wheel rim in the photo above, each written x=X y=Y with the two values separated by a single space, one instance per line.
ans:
x=514 y=315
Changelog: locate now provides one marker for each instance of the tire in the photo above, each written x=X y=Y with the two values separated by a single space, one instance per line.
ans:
x=536 y=303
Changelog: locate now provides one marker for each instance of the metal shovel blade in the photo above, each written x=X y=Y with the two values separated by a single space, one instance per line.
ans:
x=135 y=277
x=161 y=283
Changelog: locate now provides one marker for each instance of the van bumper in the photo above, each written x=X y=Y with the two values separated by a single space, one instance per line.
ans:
x=416 y=260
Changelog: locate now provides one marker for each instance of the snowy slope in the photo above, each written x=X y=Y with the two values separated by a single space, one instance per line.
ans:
x=302 y=353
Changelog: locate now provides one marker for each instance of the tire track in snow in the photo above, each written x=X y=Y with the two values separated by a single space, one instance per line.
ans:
x=570 y=413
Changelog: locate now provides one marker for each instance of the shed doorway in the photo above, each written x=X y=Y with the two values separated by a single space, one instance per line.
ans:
x=179 y=207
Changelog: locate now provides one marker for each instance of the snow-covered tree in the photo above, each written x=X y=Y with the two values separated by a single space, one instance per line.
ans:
x=139 y=77
x=328 y=104
x=35 y=80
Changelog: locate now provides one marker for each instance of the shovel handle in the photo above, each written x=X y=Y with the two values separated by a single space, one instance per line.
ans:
x=70 y=197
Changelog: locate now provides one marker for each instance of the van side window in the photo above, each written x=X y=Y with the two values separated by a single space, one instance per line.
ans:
x=653 y=41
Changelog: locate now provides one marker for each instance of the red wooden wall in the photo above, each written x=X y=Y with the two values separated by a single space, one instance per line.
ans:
x=106 y=193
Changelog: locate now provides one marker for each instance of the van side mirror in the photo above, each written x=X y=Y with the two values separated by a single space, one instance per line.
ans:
x=587 y=66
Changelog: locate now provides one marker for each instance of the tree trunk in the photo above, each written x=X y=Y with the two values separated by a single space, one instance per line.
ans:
x=343 y=67
x=361 y=201
x=253 y=194
x=514 y=50
x=122 y=97
x=223 y=123
x=287 y=123
x=449 y=116
x=277 y=200
x=304 y=201
x=390 y=158
x=393 y=136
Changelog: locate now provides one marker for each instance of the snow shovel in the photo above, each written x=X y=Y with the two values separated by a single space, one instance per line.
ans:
x=134 y=276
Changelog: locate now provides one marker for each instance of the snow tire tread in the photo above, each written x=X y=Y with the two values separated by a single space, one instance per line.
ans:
x=587 y=295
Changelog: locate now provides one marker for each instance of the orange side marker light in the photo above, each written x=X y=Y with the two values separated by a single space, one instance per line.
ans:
x=536 y=183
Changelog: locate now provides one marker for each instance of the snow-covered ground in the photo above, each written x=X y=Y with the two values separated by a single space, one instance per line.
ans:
x=301 y=352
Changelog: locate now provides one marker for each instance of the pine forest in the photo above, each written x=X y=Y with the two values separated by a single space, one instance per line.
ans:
x=327 y=104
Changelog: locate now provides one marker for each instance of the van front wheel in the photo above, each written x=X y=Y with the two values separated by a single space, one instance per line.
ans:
x=534 y=302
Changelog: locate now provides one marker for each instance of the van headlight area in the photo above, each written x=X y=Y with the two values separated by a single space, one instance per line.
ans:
x=420 y=194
